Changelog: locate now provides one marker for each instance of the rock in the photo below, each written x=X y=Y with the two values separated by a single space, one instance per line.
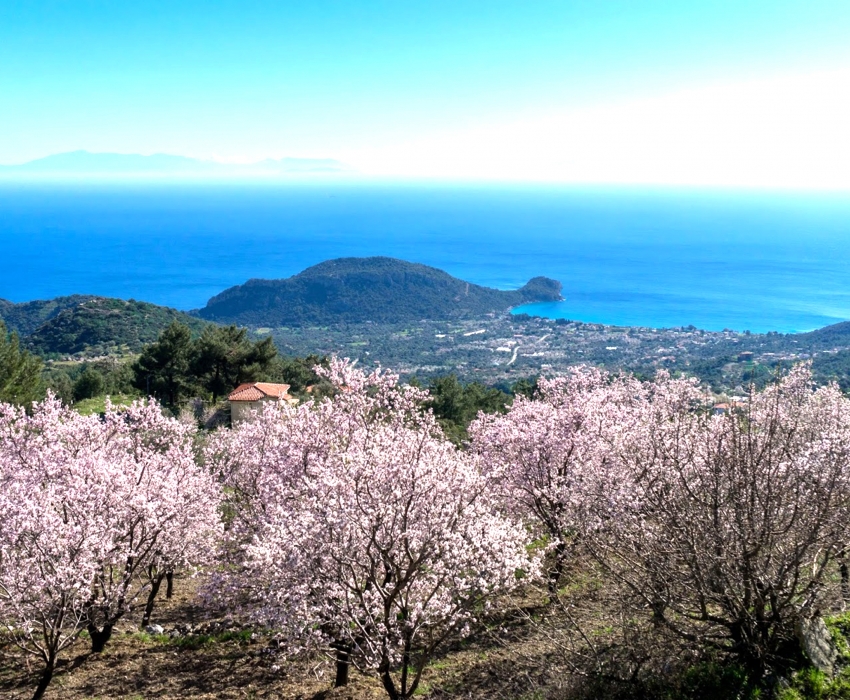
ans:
x=155 y=629
x=817 y=644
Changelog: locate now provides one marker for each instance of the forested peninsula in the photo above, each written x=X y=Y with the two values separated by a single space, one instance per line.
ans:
x=358 y=290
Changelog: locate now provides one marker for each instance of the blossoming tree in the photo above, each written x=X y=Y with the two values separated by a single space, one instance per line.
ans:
x=89 y=508
x=739 y=516
x=727 y=527
x=360 y=528
x=553 y=459
x=164 y=511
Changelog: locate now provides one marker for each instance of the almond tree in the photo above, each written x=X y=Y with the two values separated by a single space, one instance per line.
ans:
x=362 y=530
x=738 y=517
x=553 y=459
x=51 y=542
x=87 y=505
x=727 y=527
x=163 y=511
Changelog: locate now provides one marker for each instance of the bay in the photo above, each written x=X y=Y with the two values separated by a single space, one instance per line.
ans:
x=760 y=261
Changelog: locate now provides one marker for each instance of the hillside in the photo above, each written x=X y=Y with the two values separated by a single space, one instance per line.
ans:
x=837 y=334
x=89 y=324
x=357 y=290
x=25 y=317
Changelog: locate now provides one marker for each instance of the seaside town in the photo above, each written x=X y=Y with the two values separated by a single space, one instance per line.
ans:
x=503 y=348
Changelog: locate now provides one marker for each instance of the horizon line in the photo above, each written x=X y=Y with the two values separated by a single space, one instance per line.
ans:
x=357 y=177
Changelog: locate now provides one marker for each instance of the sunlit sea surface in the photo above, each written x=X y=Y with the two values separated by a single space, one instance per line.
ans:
x=662 y=258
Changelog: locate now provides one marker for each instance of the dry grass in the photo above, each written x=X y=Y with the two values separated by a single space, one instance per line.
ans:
x=507 y=658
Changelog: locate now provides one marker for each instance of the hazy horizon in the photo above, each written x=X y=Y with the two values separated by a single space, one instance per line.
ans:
x=718 y=94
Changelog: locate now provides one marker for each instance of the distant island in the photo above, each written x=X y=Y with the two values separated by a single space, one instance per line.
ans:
x=358 y=290
x=83 y=164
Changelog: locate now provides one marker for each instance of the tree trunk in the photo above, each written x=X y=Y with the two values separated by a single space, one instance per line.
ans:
x=389 y=686
x=749 y=653
x=387 y=679
x=845 y=582
x=405 y=668
x=155 y=584
x=557 y=569
x=99 y=638
x=44 y=681
x=169 y=584
x=343 y=664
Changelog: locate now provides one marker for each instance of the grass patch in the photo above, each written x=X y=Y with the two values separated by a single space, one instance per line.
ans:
x=147 y=638
x=193 y=641
x=199 y=641
x=97 y=404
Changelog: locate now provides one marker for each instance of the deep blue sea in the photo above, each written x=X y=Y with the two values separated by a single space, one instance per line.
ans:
x=757 y=261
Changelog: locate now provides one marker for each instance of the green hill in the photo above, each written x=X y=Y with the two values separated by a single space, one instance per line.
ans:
x=357 y=290
x=834 y=335
x=25 y=317
x=90 y=325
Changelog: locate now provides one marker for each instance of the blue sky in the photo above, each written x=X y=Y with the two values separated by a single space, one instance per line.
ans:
x=435 y=88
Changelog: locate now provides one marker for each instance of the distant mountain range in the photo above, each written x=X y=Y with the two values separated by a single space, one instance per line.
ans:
x=358 y=290
x=83 y=164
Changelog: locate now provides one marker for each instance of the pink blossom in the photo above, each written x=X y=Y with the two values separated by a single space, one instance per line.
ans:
x=89 y=508
x=359 y=527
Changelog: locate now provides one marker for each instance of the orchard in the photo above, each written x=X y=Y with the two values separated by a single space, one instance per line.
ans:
x=351 y=528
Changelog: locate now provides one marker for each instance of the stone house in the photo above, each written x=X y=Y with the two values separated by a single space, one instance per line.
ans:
x=246 y=398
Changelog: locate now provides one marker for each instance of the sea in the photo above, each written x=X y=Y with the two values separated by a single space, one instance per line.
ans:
x=742 y=260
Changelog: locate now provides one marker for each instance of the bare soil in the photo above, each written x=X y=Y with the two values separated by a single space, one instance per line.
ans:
x=505 y=659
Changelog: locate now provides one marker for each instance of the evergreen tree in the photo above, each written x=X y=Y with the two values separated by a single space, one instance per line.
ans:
x=224 y=357
x=20 y=371
x=299 y=373
x=89 y=384
x=60 y=383
x=526 y=387
x=162 y=369
x=456 y=405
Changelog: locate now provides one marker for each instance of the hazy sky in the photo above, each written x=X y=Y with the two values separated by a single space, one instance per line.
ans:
x=752 y=92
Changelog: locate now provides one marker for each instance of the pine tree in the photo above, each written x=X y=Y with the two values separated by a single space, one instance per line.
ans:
x=162 y=370
x=224 y=357
x=20 y=371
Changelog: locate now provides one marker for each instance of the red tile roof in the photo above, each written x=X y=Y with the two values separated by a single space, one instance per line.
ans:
x=258 y=391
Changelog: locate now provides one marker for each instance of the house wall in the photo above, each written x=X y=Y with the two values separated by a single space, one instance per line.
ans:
x=240 y=411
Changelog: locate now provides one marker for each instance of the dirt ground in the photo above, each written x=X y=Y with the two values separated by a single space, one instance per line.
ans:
x=510 y=664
